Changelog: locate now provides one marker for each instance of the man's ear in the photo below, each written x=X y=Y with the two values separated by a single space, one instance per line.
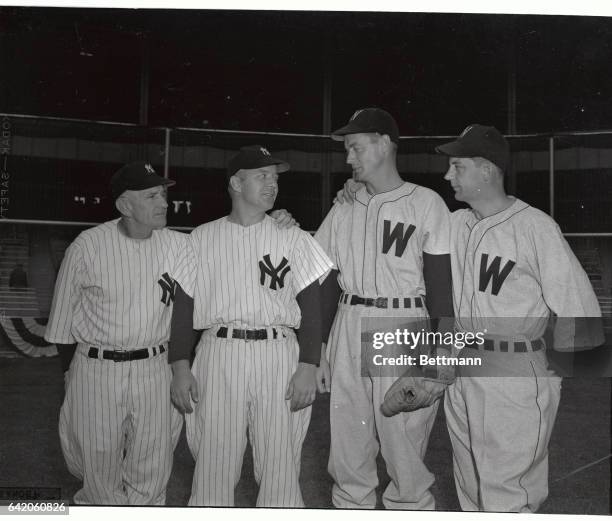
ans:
x=123 y=205
x=385 y=143
x=487 y=171
x=235 y=183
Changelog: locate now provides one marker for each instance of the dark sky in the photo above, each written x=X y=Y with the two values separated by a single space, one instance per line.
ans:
x=266 y=70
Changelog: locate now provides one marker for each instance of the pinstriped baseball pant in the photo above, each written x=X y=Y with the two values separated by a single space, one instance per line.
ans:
x=500 y=428
x=242 y=386
x=112 y=408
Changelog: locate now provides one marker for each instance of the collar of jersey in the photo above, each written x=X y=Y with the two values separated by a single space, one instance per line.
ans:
x=364 y=197
x=516 y=206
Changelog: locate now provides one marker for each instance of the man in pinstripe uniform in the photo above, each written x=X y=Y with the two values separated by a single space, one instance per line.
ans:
x=113 y=297
x=254 y=284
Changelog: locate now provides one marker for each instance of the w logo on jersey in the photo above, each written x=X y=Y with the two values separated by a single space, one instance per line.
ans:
x=168 y=286
x=396 y=236
x=492 y=272
x=276 y=273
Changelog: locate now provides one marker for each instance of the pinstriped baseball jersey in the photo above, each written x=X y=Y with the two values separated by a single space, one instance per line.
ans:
x=248 y=276
x=377 y=243
x=116 y=291
x=511 y=269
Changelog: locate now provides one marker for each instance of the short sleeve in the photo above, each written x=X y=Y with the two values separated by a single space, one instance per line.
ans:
x=66 y=297
x=309 y=262
x=325 y=236
x=184 y=272
x=567 y=290
x=436 y=227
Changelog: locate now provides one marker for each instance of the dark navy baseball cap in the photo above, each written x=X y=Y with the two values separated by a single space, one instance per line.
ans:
x=367 y=121
x=479 y=141
x=138 y=175
x=252 y=157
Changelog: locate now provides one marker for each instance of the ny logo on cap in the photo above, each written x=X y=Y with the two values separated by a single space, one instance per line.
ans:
x=264 y=151
x=149 y=168
x=467 y=129
x=357 y=112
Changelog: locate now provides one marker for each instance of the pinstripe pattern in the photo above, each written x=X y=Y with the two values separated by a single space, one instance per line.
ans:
x=108 y=295
x=353 y=236
x=107 y=291
x=228 y=289
x=244 y=387
x=243 y=383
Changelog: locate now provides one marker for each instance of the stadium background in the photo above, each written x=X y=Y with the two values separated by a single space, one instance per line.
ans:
x=54 y=180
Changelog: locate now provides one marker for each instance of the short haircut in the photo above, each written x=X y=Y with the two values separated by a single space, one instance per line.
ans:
x=479 y=161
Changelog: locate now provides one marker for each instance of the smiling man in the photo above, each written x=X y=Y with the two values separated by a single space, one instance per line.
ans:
x=512 y=268
x=113 y=298
x=254 y=284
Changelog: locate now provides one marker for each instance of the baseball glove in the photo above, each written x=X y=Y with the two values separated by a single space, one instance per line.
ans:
x=412 y=391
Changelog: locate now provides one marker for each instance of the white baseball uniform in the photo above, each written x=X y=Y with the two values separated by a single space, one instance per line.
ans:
x=247 y=278
x=377 y=244
x=114 y=293
x=510 y=270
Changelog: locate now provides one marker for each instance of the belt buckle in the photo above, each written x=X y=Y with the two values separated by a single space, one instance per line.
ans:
x=120 y=355
x=380 y=302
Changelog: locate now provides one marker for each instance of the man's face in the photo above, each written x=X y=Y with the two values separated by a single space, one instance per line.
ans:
x=365 y=155
x=466 y=178
x=148 y=207
x=259 y=186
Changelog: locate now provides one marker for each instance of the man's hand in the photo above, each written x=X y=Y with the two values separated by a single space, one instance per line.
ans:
x=348 y=191
x=184 y=386
x=284 y=219
x=302 y=387
x=323 y=373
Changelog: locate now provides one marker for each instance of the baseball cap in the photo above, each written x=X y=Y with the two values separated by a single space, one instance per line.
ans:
x=254 y=156
x=369 y=120
x=138 y=175
x=479 y=141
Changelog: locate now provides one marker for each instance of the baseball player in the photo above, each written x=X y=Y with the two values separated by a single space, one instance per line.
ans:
x=254 y=284
x=113 y=298
x=391 y=259
x=511 y=268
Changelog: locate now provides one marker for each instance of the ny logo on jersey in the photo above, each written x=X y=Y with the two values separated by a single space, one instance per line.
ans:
x=492 y=272
x=149 y=168
x=168 y=287
x=396 y=236
x=277 y=274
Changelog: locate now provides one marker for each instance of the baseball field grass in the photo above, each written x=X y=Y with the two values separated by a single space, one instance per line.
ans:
x=31 y=391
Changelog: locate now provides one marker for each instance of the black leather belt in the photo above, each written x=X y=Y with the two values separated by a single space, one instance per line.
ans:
x=382 y=302
x=126 y=356
x=248 y=334
x=508 y=346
